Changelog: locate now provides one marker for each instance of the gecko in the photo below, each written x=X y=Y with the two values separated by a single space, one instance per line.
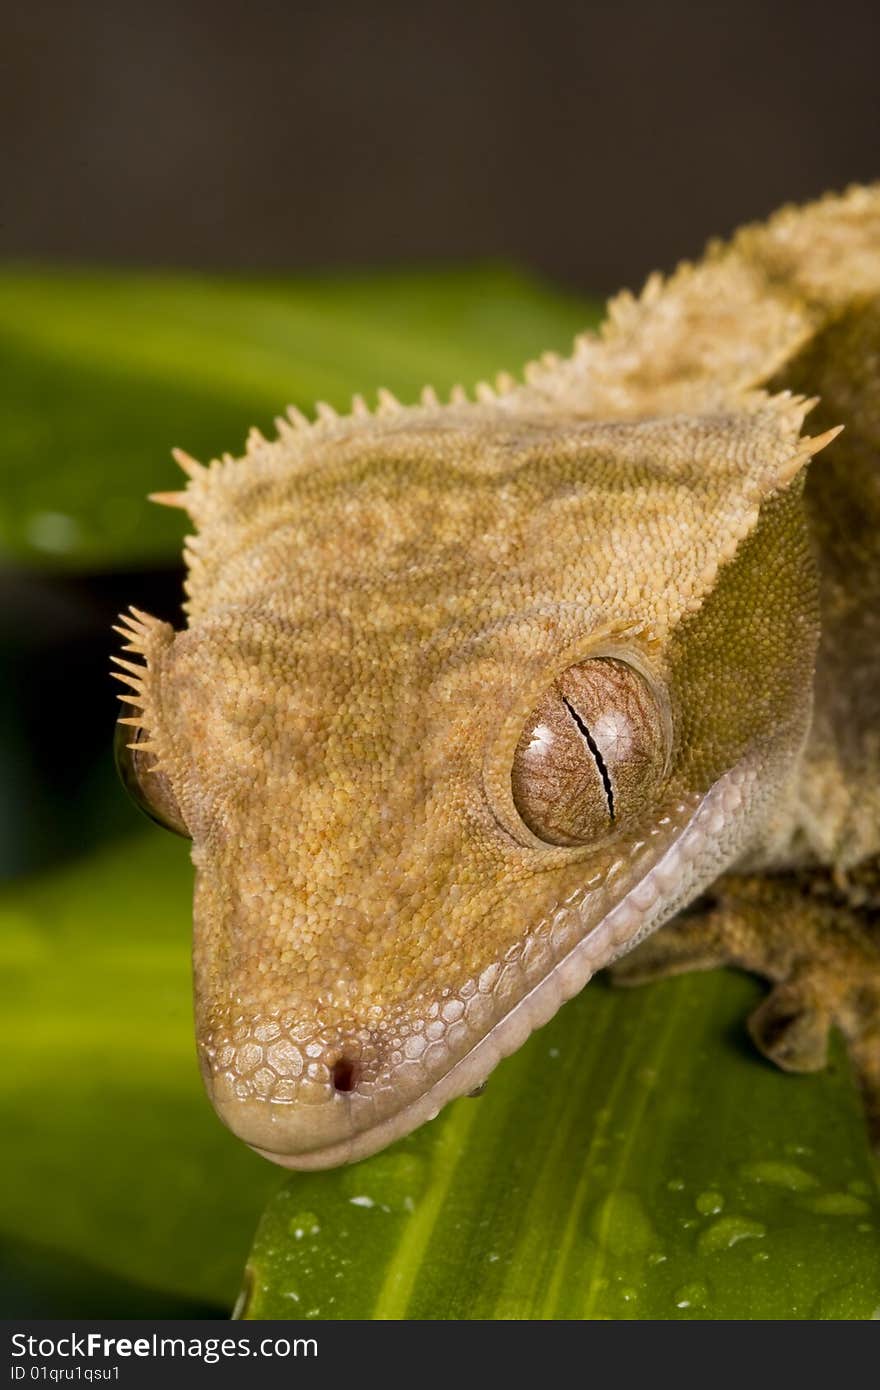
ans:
x=576 y=670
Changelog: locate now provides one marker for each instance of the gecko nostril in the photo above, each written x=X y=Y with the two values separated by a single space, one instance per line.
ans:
x=344 y=1074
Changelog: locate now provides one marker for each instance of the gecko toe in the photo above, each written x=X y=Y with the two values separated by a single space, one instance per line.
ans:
x=792 y=1029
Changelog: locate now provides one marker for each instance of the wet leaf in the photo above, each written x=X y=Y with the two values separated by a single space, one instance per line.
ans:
x=634 y=1160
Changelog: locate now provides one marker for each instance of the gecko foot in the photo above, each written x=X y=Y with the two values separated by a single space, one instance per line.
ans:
x=816 y=937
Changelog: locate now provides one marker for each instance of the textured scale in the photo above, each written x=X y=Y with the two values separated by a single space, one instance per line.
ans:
x=375 y=604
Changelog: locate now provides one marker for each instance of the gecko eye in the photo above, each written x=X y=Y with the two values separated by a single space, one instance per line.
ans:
x=592 y=753
x=150 y=791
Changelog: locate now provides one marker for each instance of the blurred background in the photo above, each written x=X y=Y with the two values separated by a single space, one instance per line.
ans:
x=402 y=192
x=590 y=141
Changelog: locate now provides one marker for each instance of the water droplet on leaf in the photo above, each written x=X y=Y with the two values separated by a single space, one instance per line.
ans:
x=303 y=1223
x=837 y=1204
x=727 y=1231
x=621 y=1224
x=691 y=1296
x=778 y=1173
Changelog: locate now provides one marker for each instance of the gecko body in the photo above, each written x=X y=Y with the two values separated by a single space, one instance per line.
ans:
x=474 y=696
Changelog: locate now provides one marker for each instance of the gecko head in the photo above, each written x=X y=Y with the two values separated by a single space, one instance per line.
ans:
x=474 y=712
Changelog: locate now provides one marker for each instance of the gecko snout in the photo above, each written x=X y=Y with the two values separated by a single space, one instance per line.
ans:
x=288 y=1091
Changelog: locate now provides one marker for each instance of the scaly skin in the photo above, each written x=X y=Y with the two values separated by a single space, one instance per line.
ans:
x=475 y=696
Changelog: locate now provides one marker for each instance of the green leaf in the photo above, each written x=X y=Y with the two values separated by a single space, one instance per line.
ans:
x=634 y=1160
x=113 y=1163
x=103 y=372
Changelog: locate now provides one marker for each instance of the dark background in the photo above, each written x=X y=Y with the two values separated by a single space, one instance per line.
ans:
x=590 y=141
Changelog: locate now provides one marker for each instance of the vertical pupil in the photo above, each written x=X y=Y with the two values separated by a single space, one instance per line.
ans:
x=597 y=756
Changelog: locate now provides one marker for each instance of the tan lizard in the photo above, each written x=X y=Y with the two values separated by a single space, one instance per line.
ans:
x=474 y=696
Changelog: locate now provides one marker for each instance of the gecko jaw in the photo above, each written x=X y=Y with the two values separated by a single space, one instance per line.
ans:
x=708 y=841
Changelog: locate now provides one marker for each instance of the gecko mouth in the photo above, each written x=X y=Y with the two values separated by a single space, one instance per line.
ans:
x=352 y=1099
